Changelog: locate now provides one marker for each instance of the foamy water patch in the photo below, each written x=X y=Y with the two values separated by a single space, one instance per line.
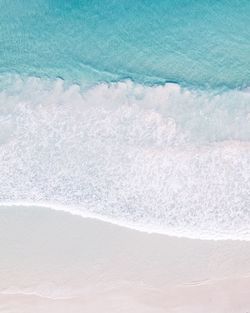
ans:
x=162 y=158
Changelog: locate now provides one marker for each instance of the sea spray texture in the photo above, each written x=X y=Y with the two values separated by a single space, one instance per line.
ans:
x=111 y=139
x=201 y=43
x=130 y=154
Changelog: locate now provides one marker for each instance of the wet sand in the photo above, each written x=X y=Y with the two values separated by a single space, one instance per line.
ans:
x=52 y=262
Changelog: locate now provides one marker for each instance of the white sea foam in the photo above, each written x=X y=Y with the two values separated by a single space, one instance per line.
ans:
x=161 y=158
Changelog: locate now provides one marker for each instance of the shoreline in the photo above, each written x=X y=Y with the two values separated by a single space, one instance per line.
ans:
x=100 y=266
x=132 y=226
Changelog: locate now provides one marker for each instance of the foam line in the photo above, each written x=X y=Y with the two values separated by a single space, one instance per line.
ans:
x=160 y=159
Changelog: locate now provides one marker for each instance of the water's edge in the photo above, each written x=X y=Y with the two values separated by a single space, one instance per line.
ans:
x=160 y=159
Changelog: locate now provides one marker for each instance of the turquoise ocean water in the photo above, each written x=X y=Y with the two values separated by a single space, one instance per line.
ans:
x=137 y=112
x=200 y=43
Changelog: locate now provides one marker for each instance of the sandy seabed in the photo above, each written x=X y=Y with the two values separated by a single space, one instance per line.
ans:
x=54 y=262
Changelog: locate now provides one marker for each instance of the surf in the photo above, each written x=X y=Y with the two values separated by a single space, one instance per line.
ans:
x=163 y=158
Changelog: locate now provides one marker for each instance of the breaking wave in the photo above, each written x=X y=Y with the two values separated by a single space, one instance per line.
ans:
x=157 y=158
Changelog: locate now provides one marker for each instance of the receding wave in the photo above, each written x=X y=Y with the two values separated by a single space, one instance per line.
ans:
x=163 y=158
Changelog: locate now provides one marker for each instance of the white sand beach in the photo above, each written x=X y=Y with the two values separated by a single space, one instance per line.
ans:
x=52 y=261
